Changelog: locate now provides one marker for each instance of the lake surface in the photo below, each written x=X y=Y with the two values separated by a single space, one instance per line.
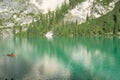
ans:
x=85 y=58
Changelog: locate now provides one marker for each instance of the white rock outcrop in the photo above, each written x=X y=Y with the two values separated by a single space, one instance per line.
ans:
x=20 y=12
x=49 y=35
x=88 y=9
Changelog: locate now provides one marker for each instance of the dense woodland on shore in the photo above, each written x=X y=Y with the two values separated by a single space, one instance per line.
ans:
x=53 y=21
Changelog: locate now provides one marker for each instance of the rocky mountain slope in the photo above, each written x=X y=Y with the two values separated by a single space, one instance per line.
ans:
x=20 y=12
x=89 y=9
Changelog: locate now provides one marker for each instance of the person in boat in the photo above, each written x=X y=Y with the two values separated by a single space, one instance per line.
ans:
x=12 y=54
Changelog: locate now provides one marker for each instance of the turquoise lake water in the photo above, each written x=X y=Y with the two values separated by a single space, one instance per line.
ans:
x=84 y=58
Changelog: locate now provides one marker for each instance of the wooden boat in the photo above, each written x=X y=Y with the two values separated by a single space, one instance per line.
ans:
x=11 y=55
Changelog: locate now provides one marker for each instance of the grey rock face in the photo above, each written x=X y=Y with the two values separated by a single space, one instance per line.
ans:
x=89 y=9
x=20 y=12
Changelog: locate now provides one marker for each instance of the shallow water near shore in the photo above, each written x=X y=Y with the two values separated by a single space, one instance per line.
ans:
x=84 y=58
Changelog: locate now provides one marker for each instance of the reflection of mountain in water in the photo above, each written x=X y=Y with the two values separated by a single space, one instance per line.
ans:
x=69 y=58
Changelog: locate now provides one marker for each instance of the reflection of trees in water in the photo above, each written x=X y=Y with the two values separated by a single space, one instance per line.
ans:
x=104 y=45
x=108 y=45
x=62 y=49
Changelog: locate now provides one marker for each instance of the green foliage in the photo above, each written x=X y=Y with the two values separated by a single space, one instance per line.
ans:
x=104 y=2
x=107 y=24
x=1 y=0
x=46 y=22
x=73 y=3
